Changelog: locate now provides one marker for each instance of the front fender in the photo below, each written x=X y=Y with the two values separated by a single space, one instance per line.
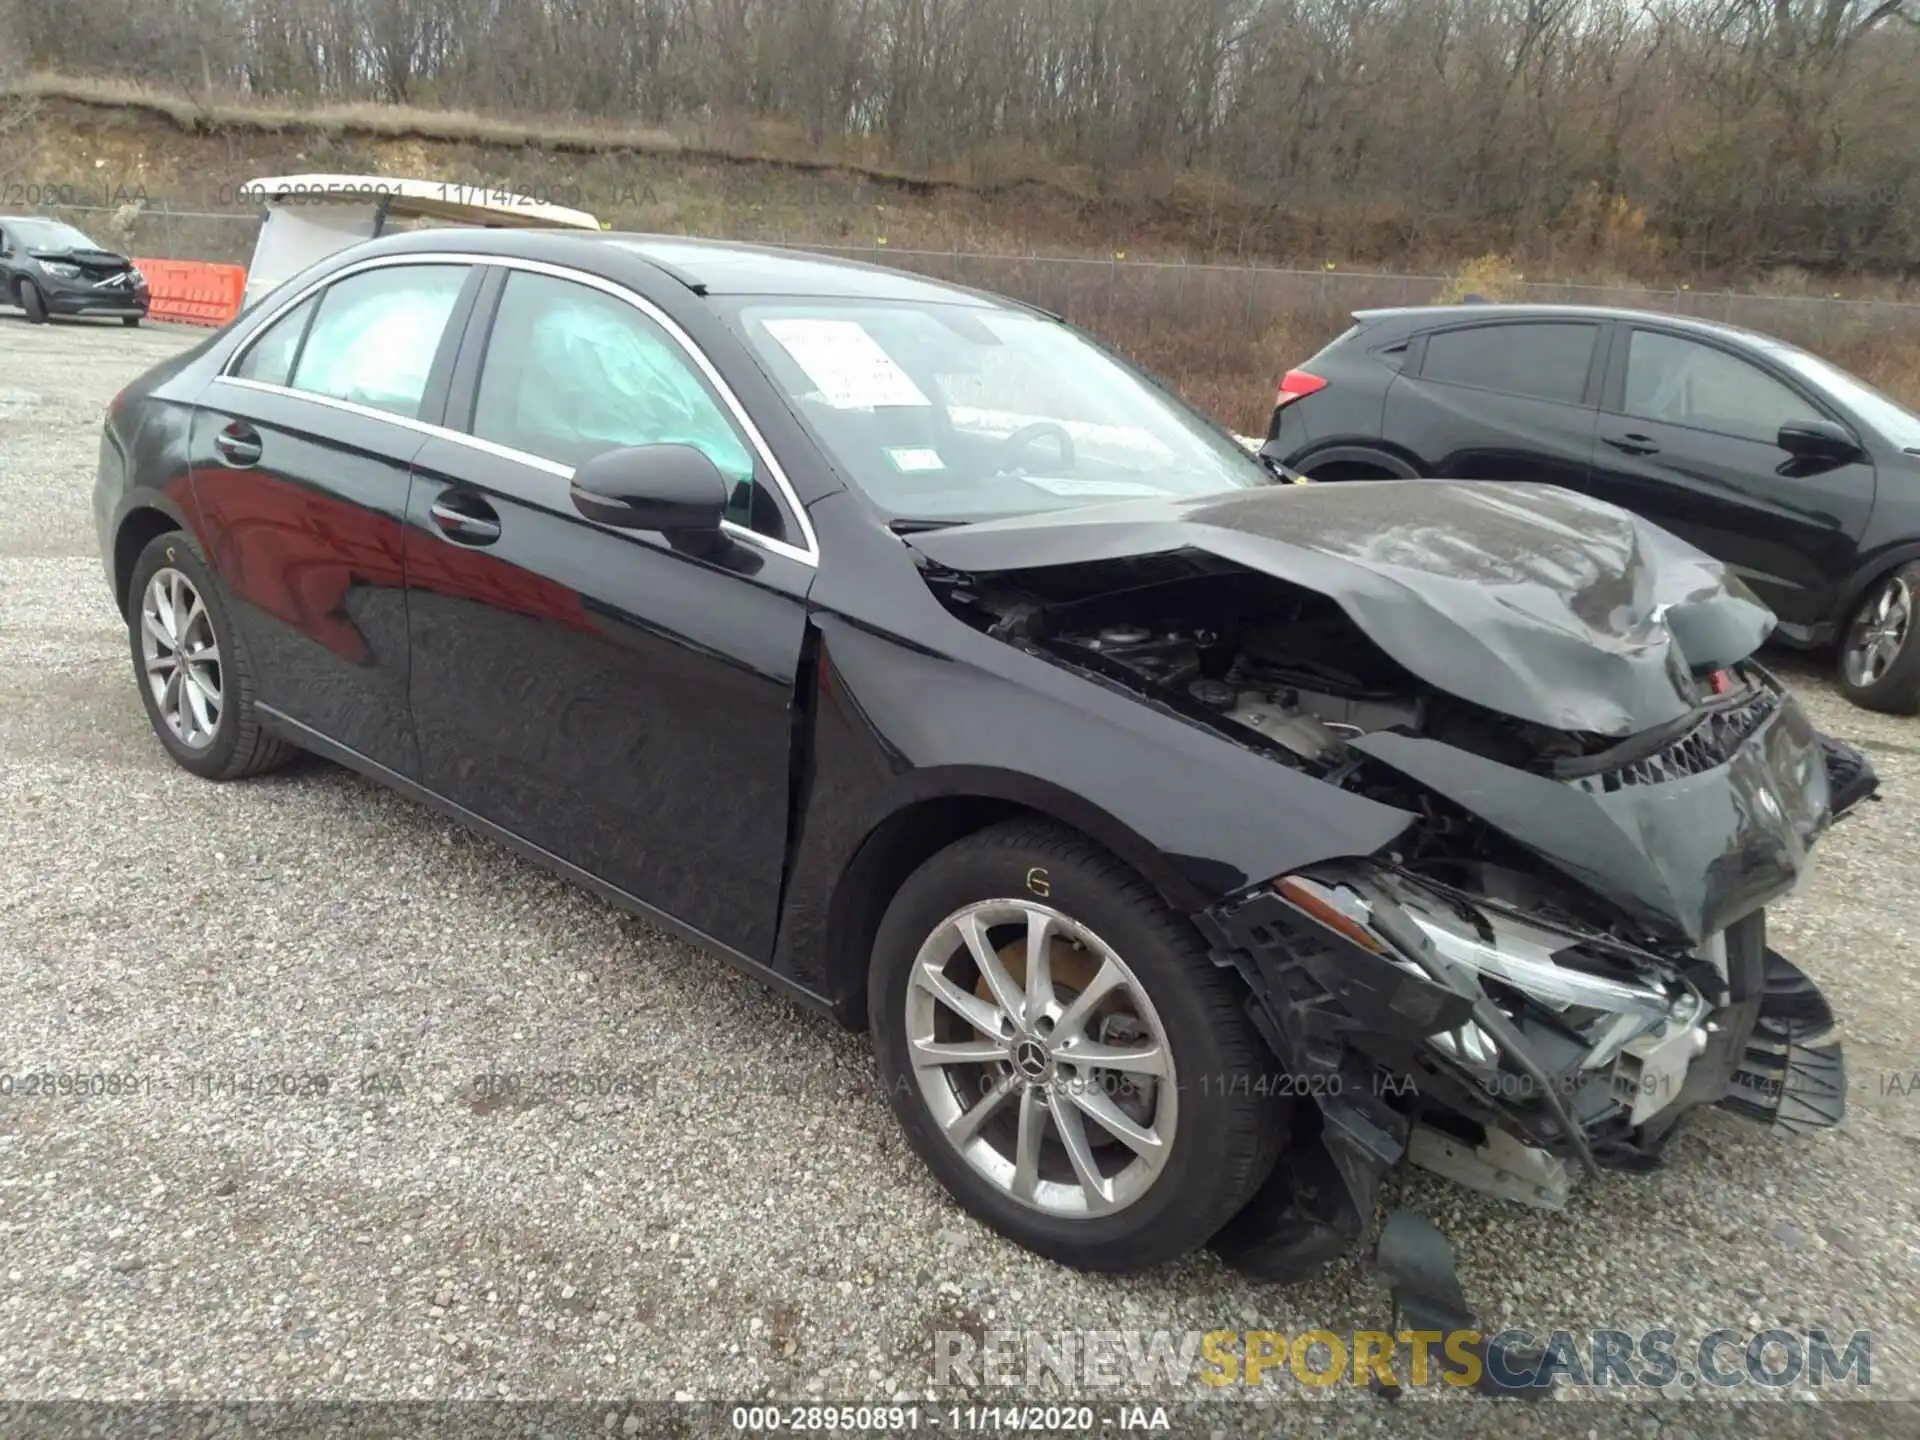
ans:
x=1868 y=572
x=895 y=726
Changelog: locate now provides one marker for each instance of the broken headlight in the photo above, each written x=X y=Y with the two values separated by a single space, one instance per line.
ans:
x=1637 y=1030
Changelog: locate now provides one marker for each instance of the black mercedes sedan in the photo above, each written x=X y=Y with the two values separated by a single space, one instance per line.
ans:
x=49 y=268
x=1196 y=846
x=1804 y=479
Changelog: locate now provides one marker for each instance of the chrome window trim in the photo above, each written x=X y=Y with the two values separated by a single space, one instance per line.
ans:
x=809 y=554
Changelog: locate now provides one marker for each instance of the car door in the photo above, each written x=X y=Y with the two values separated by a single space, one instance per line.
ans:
x=1688 y=439
x=300 y=460
x=593 y=691
x=1508 y=400
x=6 y=267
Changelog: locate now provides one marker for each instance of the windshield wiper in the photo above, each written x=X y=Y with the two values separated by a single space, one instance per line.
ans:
x=914 y=527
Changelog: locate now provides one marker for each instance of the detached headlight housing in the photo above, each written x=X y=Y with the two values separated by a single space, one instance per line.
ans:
x=61 y=268
x=1514 y=962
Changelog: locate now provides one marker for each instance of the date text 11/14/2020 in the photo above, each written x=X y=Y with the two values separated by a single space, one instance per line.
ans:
x=962 y=1419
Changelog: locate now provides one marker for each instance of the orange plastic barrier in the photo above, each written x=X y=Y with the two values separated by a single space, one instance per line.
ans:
x=191 y=291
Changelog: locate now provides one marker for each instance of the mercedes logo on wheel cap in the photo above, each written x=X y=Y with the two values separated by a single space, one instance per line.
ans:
x=1030 y=1059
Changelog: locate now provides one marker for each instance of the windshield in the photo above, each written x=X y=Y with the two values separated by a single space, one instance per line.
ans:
x=948 y=413
x=1893 y=420
x=48 y=235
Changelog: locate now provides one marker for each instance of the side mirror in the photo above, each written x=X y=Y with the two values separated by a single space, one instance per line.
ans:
x=674 y=489
x=1818 y=440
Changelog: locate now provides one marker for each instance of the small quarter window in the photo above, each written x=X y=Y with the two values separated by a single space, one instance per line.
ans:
x=269 y=359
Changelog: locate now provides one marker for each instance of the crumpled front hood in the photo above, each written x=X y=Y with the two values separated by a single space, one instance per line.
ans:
x=1531 y=600
x=82 y=256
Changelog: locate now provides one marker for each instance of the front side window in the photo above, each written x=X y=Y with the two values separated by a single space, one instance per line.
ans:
x=1542 y=361
x=1682 y=382
x=374 y=337
x=947 y=412
x=1892 y=419
x=572 y=372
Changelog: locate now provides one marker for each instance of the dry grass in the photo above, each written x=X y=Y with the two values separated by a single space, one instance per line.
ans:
x=762 y=144
x=1491 y=277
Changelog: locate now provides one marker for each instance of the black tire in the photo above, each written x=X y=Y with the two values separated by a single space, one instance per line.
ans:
x=130 y=320
x=1230 y=1121
x=33 y=302
x=240 y=747
x=1894 y=686
x=1350 y=470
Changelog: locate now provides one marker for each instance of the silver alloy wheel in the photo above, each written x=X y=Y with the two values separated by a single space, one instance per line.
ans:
x=181 y=657
x=1012 y=1067
x=1879 y=630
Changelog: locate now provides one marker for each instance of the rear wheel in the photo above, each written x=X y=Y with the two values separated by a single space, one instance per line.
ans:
x=1064 y=1056
x=192 y=668
x=33 y=302
x=1350 y=470
x=130 y=321
x=1879 y=665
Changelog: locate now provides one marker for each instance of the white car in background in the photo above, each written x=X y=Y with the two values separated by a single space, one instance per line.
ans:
x=309 y=217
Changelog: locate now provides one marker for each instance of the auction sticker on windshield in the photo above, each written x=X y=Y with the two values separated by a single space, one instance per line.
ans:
x=916 y=460
x=1061 y=485
x=846 y=363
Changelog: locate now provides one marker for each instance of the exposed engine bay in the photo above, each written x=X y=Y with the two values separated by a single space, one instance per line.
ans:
x=1255 y=681
x=1286 y=671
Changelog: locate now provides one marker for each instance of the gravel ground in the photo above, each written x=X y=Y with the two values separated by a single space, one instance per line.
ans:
x=747 y=1223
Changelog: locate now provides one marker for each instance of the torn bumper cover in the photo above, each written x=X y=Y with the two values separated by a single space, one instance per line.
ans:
x=1509 y=1048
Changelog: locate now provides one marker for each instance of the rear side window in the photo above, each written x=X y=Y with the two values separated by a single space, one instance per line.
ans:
x=375 y=336
x=269 y=359
x=1546 y=361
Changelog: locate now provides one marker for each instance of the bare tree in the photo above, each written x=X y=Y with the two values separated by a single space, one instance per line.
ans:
x=1733 y=130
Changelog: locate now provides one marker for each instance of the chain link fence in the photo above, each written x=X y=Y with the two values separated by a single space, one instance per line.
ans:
x=1239 y=302
x=1221 y=333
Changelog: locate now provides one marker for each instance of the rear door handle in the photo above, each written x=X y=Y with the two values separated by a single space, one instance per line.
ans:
x=465 y=519
x=1633 y=444
x=238 y=445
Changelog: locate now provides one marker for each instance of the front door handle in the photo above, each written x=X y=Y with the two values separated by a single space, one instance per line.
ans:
x=1633 y=444
x=238 y=445
x=465 y=519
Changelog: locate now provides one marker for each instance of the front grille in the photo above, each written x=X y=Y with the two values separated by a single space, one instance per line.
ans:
x=1708 y=745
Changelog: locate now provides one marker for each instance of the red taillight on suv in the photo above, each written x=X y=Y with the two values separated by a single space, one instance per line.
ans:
x=1297 y=385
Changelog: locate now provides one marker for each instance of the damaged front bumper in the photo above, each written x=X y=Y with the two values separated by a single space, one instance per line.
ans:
x=1509 y=1050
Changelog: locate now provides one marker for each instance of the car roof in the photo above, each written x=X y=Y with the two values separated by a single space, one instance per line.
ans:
x=1423 y=316
x=732 y=268
x=707 y=267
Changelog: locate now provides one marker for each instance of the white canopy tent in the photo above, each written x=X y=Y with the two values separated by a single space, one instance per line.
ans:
x=311 y=216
